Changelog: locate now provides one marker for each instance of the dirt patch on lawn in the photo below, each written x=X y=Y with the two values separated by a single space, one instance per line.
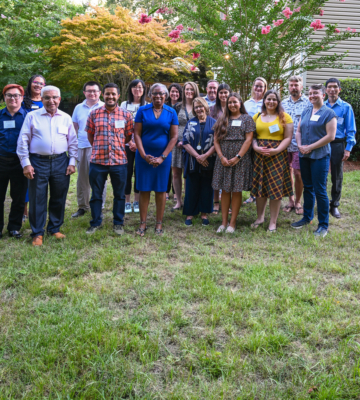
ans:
x=351 y=166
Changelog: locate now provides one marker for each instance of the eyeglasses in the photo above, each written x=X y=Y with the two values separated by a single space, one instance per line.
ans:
x=157 y=94
x=197 y=107
x=13 y=96
x=92 y=91
x=47 y=98
x=258 y=87
x=38 y=83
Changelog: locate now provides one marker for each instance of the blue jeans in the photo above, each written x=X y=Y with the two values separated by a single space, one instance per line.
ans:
x=48 y=174
x=97 y=177
x=314 y=176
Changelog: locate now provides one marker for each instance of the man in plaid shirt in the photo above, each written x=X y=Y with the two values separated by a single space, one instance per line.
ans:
x=109 y=128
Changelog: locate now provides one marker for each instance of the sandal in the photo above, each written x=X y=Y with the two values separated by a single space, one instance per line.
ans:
x=157 y=230
x=256 y=224
x=288 y=208
x=216 y=212
x=297 y=212
x=141 y=231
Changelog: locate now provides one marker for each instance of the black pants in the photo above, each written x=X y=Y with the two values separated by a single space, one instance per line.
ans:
x=336 y=163
x=130 y=171
x=49 y=173
x=199 y=194
x=11 y=171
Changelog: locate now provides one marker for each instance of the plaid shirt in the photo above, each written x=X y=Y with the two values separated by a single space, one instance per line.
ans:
x=109 y=135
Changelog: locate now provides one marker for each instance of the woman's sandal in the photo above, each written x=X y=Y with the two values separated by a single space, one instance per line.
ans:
x=141 y=231
x=157 y=230
x=216 y=212
x=256 y=224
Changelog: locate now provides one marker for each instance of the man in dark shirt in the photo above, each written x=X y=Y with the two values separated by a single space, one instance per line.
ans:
x=11 y=121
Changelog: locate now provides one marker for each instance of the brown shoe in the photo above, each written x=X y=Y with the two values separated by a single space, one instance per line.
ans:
x=37 y=241
x=58 y=235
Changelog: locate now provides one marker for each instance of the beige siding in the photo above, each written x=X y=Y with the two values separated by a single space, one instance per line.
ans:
x=345 y=14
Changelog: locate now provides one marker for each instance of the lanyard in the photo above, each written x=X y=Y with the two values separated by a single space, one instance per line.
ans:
x=199 y=147
x=187 y=114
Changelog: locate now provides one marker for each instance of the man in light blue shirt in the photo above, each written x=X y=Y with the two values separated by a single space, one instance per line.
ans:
x=211 y=90
x=92 y=91
x=343 y=143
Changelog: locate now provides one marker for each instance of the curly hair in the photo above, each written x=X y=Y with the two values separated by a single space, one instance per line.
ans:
x=27 y=95
x=221 y=125
x=279 y=109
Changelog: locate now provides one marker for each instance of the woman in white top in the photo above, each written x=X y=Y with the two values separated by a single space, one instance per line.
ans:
x=135 y=99
x=253 y=106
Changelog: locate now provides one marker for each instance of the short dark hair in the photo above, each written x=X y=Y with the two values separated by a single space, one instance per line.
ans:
x=111 y=85
x=318 y=86
x=130 y=95
x=92 y=83
x=333 y=80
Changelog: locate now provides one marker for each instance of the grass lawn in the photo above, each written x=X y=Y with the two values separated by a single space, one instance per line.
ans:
x=190 y=315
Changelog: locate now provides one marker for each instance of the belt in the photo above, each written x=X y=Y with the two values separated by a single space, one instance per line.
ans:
x=9 y=158
x=342 y=140
x=50 y=157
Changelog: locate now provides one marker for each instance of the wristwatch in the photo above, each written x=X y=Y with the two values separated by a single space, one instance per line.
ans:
x=238 y=156
x=163 y=156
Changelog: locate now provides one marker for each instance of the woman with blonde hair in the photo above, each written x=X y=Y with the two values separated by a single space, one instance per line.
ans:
x=184 y=111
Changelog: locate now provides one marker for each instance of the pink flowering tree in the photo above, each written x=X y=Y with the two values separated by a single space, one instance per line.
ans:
x=243 y=39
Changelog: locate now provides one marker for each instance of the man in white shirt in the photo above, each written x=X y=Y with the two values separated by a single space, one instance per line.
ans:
x=45 y=137
x=92 y=92
x=211 y=90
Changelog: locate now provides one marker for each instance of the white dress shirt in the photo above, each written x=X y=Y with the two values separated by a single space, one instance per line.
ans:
x=44 y=134
x=253 y=107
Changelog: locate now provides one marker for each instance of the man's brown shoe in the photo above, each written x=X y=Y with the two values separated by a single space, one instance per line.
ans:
x=58 y=235
x=37 y=241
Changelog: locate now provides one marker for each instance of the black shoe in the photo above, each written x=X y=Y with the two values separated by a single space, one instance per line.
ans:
x=0 y=235
x=334 y=211
x=300 y=224
x=79 y=213
x=205 y=222
x=15 y=234
x=188 y=222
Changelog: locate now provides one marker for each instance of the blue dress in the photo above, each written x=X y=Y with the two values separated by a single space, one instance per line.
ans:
x=155 y=137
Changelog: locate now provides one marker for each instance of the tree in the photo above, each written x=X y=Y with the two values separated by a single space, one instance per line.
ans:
x=26 y=29
x=112 y=48
x=244 y=39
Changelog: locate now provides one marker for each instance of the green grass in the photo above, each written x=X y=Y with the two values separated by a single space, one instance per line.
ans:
x=190 y=315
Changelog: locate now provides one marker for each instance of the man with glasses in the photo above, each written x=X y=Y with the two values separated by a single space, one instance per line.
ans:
x=92 y=91
x=211 y=90
x=46 y=137
x=11 y=120
x=109 y=128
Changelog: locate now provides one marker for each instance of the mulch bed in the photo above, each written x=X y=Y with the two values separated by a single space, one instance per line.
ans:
x=351 y=166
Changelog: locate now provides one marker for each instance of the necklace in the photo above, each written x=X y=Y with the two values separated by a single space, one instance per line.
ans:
x=157 y=110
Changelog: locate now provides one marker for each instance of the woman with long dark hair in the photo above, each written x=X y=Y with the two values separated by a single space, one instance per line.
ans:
x=32 y=98
x=274 y=129
x=233 y=167
x=136 y=94
x=175 y=95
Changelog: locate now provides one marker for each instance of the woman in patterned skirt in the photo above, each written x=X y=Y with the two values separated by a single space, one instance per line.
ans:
x=184 y=112
x=233 y=167
x=274 y=129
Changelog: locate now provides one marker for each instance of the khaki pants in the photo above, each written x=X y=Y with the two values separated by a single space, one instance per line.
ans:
x=83 y=185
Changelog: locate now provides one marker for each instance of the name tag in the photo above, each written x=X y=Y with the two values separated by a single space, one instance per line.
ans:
x=236 y=123
x=274 y=128
x=130 y=107
x=9 y=124
x=63 y=130
x=298 y=111
x=34 y=107
x=119 y=124
x=193 y=123
x=315 y=118
x=340 y=121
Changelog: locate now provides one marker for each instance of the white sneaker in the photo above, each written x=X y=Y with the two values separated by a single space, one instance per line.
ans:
x=230 y=229
x=221 y=229
x=136 y=206
x=128 y=208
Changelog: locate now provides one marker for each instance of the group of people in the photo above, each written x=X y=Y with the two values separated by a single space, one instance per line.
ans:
x=219 y=144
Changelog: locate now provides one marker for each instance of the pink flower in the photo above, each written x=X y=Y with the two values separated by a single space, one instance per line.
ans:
x=297 y=9
x=265 y=29
x=234 y=39
x=348 y=29
x=196 y=55
x=190 y=29
x=164 y=10
x=317 y=25
x=278 y=22
x=3 y=16
x=225 y=43
x=174 y=34
x=342 y=1
x=179 y=27
x=144 y=19
x=287 y=12
x=276 y=2
x=337 y=30
x=321 y=12
x=37 y=35
x=193 y=68
x=173 y=40
x=182 y=40
x=353 y=30
x=322 y=47
x=223 y=17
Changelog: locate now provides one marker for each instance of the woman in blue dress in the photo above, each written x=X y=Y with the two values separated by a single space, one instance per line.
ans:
x=32 y=101
x=156 y=132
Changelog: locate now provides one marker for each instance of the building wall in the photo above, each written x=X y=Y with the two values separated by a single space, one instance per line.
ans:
x=345 y=14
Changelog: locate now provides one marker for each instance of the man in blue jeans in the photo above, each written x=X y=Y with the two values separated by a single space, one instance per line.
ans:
x=109 y=128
